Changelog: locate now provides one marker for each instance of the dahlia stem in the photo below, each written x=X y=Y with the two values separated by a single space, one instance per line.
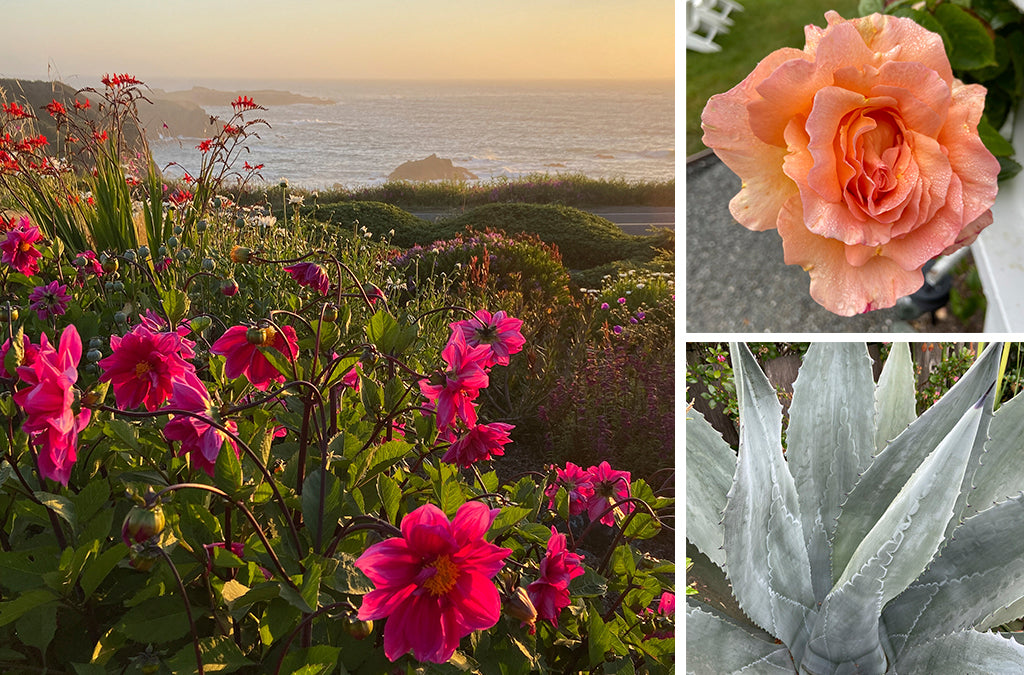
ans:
x=188 y=611
x=301 y=626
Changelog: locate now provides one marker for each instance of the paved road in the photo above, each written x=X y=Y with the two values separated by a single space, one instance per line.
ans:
x=632 y=219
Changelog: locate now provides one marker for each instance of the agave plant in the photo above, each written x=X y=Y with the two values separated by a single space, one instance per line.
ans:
x=875 y=542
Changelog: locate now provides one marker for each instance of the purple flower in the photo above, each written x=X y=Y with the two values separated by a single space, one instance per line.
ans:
x=641 y=315
x=49 y=300
x=622 y=301
x=617 y=330
x=604 y=305
x=633 y=320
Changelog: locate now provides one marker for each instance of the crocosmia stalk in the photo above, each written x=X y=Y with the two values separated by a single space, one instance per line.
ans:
x=433 y=584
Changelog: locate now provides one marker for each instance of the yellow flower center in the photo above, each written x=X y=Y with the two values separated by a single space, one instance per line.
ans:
x=141 y=368
x=268 y=337
x=445 y=575
x=24 y=246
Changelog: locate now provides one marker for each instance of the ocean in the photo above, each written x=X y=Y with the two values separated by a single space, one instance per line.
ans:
x=599 y=129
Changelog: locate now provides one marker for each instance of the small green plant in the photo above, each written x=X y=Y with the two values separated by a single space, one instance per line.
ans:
x=880 y=542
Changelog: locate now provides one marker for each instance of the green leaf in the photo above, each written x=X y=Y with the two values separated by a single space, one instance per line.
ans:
x=710 y=465
x=590 y=584
x=865 y=7
x=348 y=578
x=892 y=468
x=895 y=398
x=510 y=516
x=765 y=554
x=966 y=652
x=642 y=526
x=714 y=645
x=371 y=395
x=394 y=394
x=37 y=626
x=599 y=638
x=157 y=620
x=219 y=654
x=60 y=505
x=972 y=46
x=120 y=430
x=14 y=609
x=277 y=359
x=227 y=471
x=16 y=352
x=97 y=569
x=993 y=140
x=311 y=488
x=384 y=332
x=315 y=660
x=829 y=443
x=176 y=305
x=311 y=581
x=390 y=496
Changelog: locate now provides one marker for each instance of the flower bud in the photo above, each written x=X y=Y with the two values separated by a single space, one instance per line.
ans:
x=228 y=287
x=358 y=629
x=519 y=606
x=330 y=312
x=93 y=355
x=110 y=265
x=173 y=242
x=143 y=252
x=201 y=226
x=129 y=256
x=239 y=221
x=142 y=524
x=240 y=254
x=259 y=336
x=8 y=313
x=208 y=264
x=120 y=317
x=177 y=229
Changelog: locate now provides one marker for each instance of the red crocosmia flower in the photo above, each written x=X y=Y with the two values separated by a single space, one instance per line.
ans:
x=576 y=482
x=199 y=439
x=550 y=592
x=232 y=130
x=179 y=197
x=82 y=105
x=49 y=300
x=610 y=486
x=481 y=442
x=56 y=108
x=499 y=332
x=310 y=274
x=19 y=249
x=204 y=146
x=116 y=80
x=246 y=358
x=453 y=391
x=144 y=367
x=433 y=584
x=15 y=110
x=245 y=103
x=48 y=402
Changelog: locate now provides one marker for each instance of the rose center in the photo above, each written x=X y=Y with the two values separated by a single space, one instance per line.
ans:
x=446 y=573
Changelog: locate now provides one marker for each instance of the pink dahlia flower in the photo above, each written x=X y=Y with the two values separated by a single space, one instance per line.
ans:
x=49 y=300
x=158 y=324
x=481 y=442
x=610 y=487
x=454 y=391
x=862 y=149
x=48 y=402
x=144 y=367
x=199 y=439
x=246 y=358
x=19 y=250
x=310 y=274
x=30 y=354
x=500 y=333
x=576 y=482
x=433 y=584
x=550 y=592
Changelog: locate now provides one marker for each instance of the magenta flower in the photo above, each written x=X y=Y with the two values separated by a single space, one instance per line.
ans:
x=158 y=324
x=244 y=357
x=351 y=379
x=433 y=584
x=49 y=300
x=576 y=482
x=454 y=391
x=31 y=351
x=550 y=592
x=310 y=274
x=89 y=263
x=481 y=442
x=144 y=367
x=19 y=249
x=199 y=439
x=498 y=332
x=617 y=330
x=48 y=403
x=610 y=487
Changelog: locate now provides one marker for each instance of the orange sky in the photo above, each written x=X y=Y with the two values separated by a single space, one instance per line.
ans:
x=340 y=39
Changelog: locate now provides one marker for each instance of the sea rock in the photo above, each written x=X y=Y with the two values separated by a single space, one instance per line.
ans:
x=430 y=168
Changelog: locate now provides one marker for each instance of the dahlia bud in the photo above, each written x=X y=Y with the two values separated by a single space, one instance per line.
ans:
x=228 y=287
x=356 y=628
x=330 y=313
x=254 y=336
x=110 y=265
x=142 y=524
x=240 y=254
x=519 y=606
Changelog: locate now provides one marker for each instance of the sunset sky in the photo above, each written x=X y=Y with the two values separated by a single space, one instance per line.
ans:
x=78 y=41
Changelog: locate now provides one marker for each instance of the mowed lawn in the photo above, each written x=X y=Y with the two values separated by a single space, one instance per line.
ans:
x=762 y=27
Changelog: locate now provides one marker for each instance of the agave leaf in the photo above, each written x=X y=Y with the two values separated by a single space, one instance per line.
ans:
x=892 y=468
x=831 y=442
x=894 y=553
x=1001 y=473
x=895 y=397
x=979 y=569
x=710 y=466
x=714 y=645
x=1011 y=612
x=765 y=554
x=966 y=652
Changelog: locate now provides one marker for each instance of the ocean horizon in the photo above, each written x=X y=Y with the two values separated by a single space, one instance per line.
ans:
x=503 y=129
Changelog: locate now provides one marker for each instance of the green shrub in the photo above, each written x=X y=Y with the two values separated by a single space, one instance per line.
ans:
x=378 y=218
x=583 y=239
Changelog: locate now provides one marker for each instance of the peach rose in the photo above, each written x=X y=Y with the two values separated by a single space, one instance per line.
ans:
x=863 y=151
